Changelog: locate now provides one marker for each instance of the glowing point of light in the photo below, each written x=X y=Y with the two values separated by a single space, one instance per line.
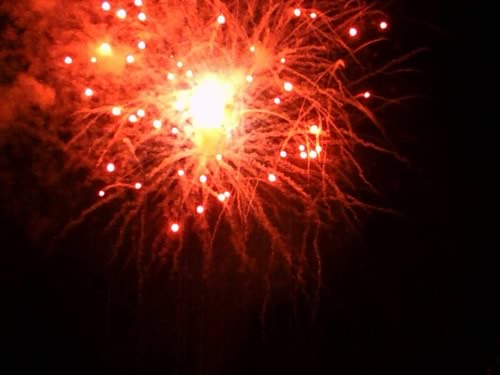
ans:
x=297 y=12
x=105 y=6
x=249 y=78
x=116 y=111
x=313 y=15
x=132 y=118
x=181 y=172
x=141 y=17
x=101 y=193
x=141 y=45
x=200 y=209
x=221 y=19
x=303 y=155
x=227 y=194
x=367 y=94
x=252 y=49
x=93 y=59
x=277 y=100
x=282 y=60
x=137 y=185
x=221 y=197
x=175 y=227
x=302 y=148
x=130 y=59
x=313 y=154
x=157 y=124
x=170 y=76
x=189 y=73
x=353 y=31
x=121 y=13
x=179 y=64
x=383 y=25
x=203 y=178
x=175 y=131
x=105 y=49
x=110 y=167
x=288 y=86
x=141 y=113
x=88 y=92
x=138 y=3
x=283 y=153
x=271 y=177
x=314 y=129
x=68 y=60
x=318 y=149
x=218 y=157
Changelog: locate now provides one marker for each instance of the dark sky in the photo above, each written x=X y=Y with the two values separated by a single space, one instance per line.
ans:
x=406 y=294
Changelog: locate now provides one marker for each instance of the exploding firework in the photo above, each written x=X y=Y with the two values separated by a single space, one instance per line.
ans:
x=218 y=118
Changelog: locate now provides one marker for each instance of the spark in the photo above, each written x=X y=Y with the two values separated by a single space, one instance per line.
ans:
x=121 y=13
x=110 y=167
x=68 y=60
x=175 y=227
x=353 y=32
x=221 y=19
x=314 y=129
x=105 y=49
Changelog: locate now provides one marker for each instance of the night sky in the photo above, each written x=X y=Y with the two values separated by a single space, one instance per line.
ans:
x=407 y=293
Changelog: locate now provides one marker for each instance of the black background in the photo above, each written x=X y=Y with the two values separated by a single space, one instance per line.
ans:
x=410 y=294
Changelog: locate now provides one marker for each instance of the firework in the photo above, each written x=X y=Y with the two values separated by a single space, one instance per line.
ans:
x=211 y=115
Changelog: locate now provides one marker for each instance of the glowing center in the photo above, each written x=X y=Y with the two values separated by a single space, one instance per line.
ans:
x=210 y=107
x=209 y=104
